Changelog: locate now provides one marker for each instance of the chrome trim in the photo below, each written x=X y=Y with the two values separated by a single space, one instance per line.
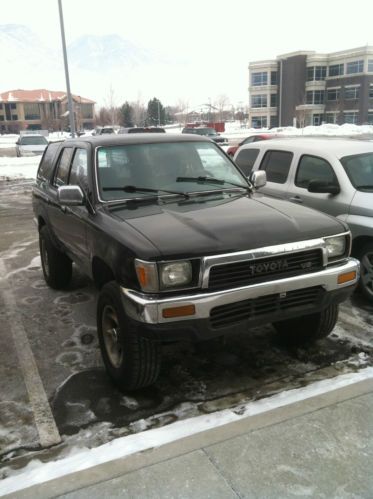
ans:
x=281 y=249
x=148 y=308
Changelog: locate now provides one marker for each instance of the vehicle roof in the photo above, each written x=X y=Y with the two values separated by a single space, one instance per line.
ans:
x=137 y=138
x=335 y=146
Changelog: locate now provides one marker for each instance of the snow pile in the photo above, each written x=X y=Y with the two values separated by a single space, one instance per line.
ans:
x=13 y=168
x=8 y=140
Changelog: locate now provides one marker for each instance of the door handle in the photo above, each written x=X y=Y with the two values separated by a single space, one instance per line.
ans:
x=296 y=199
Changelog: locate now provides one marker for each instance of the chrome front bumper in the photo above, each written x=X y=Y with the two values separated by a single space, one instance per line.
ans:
x=148 y=309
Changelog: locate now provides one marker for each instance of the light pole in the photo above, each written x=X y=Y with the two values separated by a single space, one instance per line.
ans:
x=69 y=99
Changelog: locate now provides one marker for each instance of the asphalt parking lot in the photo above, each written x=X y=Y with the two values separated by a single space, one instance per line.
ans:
x=54 y=390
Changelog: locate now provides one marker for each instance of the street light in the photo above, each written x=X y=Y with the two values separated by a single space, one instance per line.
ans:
x=69 y=99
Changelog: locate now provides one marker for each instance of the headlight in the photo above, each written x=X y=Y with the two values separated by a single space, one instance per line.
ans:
x=335 y=246
x=175 y=274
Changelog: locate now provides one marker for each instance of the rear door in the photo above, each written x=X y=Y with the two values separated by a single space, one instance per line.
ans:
x=277 y=165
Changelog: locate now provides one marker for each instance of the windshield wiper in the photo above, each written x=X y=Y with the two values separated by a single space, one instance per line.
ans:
x=133 y=188
x=211 y=180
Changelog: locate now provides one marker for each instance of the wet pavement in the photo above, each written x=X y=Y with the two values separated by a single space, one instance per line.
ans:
x=195 y=379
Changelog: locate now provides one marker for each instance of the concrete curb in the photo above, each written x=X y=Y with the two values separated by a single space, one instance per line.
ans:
x=200 y=432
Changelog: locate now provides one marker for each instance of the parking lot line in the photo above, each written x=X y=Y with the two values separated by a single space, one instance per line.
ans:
x=45 y=423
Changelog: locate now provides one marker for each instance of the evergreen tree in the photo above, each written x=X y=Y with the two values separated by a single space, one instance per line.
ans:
x=156 y=113
x=126 y=115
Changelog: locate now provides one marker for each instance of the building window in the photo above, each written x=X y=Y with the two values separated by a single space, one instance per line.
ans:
x=259 y=121
x=355 y=67
x=273 y=123
x=259 y=100
x=316 y=73
x=331 y=118
x=370 y=118
x=370 y=65
x=336 y=70
x=274 y=77
x=273 y=100
x=32 y=111
x=370 y=91
x=315 y=97
x=87 y=111
x=258 y=79
x=2 y=118
x=1 y=106
x=351 y=93
x=317 y=119
x=15 y=117
x=351 y=117
x=333 y=94
x=13 y=106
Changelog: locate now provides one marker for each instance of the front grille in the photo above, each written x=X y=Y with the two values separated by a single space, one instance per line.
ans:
x=265 y=306
x=231 y=275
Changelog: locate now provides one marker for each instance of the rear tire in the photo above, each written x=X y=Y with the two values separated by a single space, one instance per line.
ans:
x=57 y=267
x=365 y=255
x=309 y=328
x=131 y=360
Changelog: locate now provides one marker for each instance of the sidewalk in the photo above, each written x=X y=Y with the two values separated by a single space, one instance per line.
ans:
x=316 y=441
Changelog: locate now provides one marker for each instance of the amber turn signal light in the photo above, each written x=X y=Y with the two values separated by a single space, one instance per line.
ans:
x=169 y=313
x=349 y=276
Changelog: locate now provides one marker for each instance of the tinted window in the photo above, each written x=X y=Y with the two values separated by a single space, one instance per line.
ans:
x=246 y=159
x=314 y=168
x=277 y=165
x=359 y=169
x=78 y=173
x=46 y=164
x=63 y=167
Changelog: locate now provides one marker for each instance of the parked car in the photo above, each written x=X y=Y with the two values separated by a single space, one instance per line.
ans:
x=211 y=133
x=181 y=247
x=31 y=145
x=231 y=151
x=331 y=175
x=139 y=129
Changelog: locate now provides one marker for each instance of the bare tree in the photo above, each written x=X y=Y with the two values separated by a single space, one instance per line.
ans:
x=222 y=103
x=110 y=104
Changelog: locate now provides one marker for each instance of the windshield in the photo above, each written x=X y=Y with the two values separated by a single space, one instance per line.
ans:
x=359 y=169
x=34 y=141
x=159 y=166
x=206 y=131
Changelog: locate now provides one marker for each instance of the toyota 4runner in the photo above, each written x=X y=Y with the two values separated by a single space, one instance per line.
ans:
x=181 y=245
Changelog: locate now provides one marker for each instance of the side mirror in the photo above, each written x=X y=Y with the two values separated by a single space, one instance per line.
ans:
x=258 y=178
x=18 y=143
x=322 y=187
x=70 y=195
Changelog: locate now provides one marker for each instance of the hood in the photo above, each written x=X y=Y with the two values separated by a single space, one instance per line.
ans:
x=224 y=223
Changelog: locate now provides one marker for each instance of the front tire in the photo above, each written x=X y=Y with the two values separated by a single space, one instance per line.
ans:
x=308 y=328
x=365 y=255
x=57 y=267
x=131 y=360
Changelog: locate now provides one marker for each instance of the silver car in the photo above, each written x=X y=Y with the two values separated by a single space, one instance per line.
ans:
x=330 y=175
x=31 y=145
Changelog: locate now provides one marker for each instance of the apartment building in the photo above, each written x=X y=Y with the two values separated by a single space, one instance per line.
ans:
x=306 y=88
x=42 y=109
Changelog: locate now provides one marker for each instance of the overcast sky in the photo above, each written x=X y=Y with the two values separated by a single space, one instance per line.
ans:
x=217 y=38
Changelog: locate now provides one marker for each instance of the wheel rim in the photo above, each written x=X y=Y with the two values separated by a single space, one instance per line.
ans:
x=367 y=272
x=44 y=257
x=111 y=333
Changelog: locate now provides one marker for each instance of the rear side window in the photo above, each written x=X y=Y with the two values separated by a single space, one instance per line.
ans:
x=245 y=160
x=277 y=165
x=314 y=168
x=47 y=162
x=62 y=172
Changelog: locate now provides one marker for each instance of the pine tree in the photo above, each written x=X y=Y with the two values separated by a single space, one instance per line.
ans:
x=155 y=113
x=126 y=115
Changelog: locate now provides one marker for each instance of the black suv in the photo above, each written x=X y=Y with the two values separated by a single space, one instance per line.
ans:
x=209 y=132
x=181 y=246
